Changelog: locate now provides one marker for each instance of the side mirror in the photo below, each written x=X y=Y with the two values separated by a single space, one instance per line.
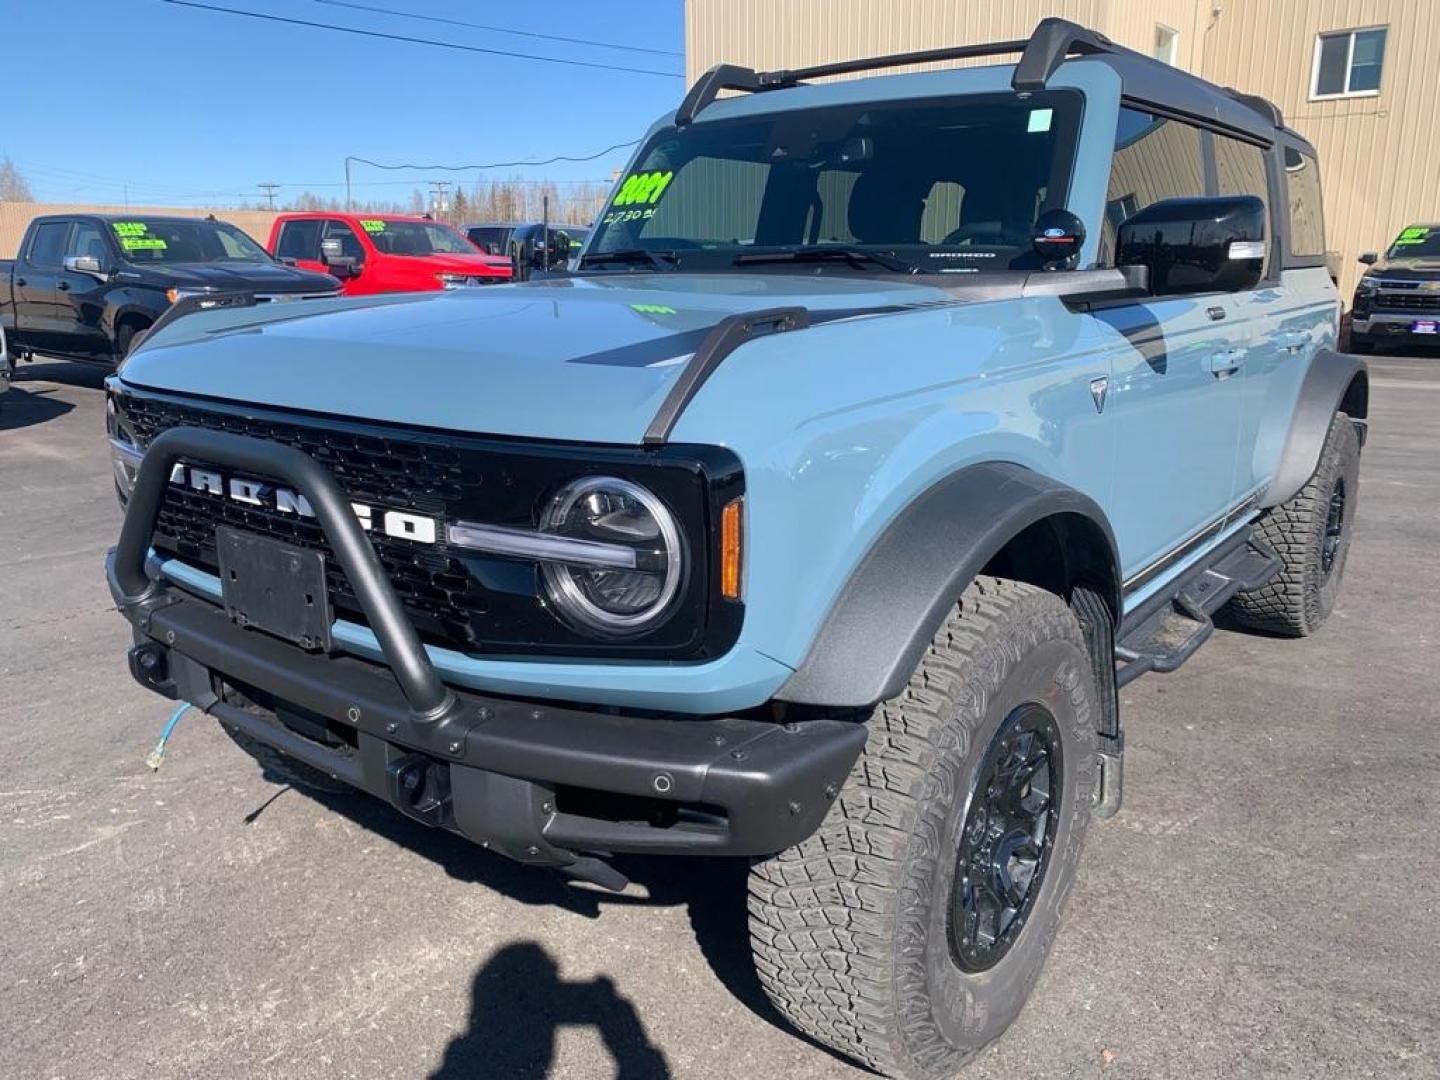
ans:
x=1196 y=245
x=1369 y=258
x=341 y=265
x=86 y=264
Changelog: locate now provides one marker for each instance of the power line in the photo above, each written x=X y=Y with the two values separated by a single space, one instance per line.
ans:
x=497 y=29
x=269 y=192
x=497 y=164
x=419 y=41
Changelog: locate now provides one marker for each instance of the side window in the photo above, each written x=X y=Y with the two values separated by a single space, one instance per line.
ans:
x=1155 y=158
x=299 y=240
x=47 y=249
x=833 y=186
x=1240 y=170
x=1302 y=193
x=942 y=211
x=87 y=240
x=350 y=245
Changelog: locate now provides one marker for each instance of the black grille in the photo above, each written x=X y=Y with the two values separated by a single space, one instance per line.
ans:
x=1407 y=302
x=461 y=599
x=442 y=598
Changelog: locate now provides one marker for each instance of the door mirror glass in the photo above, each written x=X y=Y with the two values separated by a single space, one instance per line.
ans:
x=85 y=264
x=1369 y=258
x=332 y=254
x=1196 y=245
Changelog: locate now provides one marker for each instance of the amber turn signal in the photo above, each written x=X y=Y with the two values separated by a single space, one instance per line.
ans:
x=730 y=548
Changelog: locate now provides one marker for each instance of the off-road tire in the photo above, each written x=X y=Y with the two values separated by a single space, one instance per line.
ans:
x=281 y=768
x=850 y=929
x=1297 y=600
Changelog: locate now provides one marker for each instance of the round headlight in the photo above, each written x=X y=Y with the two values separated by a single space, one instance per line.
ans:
x=614 y=600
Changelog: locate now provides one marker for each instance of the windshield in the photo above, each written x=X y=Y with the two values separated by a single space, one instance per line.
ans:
x=415 y=238
x=951 y=186
x=1416 y=242
x=152 y=240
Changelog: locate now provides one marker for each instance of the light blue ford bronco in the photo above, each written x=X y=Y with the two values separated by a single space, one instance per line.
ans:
x=885 y=428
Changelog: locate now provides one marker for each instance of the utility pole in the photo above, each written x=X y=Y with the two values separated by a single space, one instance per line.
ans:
x=438 y=202
x=269 y=193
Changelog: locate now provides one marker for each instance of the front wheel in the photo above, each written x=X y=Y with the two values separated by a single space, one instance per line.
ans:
x=908 y=931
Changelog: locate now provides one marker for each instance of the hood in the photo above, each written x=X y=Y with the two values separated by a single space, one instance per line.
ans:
x=487 y=265
x=588 y=359
x=242 y=277
x=1425 y=268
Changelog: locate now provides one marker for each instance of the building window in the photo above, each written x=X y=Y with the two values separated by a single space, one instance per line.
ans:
x=1167 y=44
x=1347 y=64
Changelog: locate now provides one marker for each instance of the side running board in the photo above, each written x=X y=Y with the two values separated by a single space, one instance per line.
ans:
x=1169 y=628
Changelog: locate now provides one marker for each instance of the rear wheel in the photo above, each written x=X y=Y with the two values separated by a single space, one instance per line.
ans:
x=1311 y=534
x=908 y=931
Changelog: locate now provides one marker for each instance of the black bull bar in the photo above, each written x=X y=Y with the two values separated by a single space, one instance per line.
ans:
x=547 y=784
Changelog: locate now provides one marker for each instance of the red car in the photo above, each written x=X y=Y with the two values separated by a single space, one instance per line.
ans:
x=381 y=253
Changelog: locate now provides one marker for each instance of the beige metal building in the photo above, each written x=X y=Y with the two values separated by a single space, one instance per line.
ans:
x=1358 y=78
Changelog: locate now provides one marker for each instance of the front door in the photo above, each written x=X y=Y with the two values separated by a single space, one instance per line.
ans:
x=80 y=304
x=1175 y=398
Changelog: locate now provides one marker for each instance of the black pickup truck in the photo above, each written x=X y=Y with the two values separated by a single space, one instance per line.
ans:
x=85 y=285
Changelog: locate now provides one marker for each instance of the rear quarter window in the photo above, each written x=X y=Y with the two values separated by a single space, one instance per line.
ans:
x=1302 y=196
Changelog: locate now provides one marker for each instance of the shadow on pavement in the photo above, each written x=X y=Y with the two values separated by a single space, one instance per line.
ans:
x=519 y=1001
x=22 y=408
x=713 y=891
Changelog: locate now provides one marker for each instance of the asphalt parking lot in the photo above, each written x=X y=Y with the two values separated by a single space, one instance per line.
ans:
x=1265 y=904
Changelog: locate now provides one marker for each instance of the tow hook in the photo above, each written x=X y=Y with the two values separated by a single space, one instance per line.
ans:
x=420 y=788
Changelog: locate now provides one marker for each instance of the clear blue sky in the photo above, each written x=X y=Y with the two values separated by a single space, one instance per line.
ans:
x=185 y=104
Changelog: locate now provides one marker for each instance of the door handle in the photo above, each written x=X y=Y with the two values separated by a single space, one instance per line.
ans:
x=1226 y=361
x=63 y=286
x=1292 y=341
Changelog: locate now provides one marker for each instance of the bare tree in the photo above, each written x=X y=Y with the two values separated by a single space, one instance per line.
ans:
x=13 y=186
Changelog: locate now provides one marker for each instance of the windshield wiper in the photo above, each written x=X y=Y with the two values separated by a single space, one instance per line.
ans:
x=661 y=260
x=855 y=256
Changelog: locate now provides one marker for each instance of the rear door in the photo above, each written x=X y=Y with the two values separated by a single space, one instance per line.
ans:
x=38 y=318
x=1173 y=395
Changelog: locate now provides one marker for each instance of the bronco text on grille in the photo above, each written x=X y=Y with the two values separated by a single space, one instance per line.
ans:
x=405 y=485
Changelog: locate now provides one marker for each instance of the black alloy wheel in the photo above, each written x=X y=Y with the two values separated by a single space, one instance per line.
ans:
x=1007 y=839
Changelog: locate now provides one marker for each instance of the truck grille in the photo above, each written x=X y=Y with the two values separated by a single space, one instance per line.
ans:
x=1391 y=301
x=443 y=599
x=461 y=599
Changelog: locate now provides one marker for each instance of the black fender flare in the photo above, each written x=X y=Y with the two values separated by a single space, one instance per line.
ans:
x=1334 y=380
x=897 y=597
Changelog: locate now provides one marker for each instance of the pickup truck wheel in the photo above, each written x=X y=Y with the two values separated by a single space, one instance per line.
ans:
x=124 y=336
x=908 y=931
x=1311 y=534
x=280 y=768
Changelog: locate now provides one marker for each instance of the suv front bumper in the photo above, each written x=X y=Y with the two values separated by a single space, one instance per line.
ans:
x=542 y=784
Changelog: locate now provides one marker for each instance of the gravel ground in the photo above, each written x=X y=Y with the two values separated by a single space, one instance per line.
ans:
x=1265 y=904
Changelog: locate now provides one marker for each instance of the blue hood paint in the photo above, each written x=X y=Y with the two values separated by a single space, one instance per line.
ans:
x=586 y=359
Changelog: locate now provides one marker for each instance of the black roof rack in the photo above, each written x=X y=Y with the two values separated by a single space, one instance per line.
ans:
x=1040 y=54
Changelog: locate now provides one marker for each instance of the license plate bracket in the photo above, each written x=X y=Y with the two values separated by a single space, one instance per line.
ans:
x=1425 y=326
x=274 y=587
